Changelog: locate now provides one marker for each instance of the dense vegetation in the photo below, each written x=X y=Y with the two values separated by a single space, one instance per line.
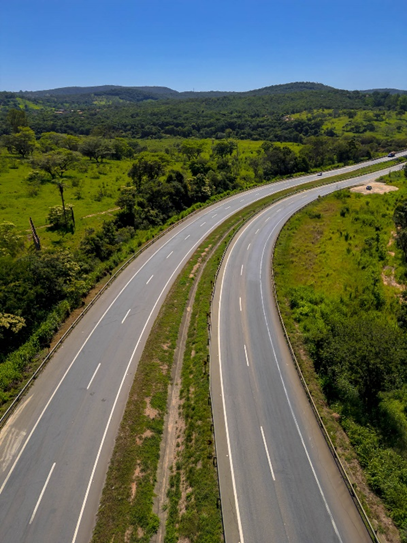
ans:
x=341 y=272
x=90 y=196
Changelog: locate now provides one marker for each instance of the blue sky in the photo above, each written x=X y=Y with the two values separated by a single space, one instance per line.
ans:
x=203 y=45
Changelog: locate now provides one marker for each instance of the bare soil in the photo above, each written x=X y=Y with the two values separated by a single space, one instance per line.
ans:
x=377 y=188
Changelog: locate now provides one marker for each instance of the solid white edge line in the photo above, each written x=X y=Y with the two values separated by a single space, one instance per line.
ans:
x=245 y=353
x=169 y=255
x=125 y=316
x=42 y=492
x=267 y=453
x=286 y=392
x=93 y=376
x=239 y=521
x=150 y=279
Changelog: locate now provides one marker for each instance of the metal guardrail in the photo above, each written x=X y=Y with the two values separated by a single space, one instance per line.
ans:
x=342 y=471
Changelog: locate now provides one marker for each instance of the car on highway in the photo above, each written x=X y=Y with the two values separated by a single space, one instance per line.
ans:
x=319 y=173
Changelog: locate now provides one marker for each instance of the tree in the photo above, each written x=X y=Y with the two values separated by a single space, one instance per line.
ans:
x=11 y=243
x=147 y=167
x=56 y=163
x=224 y=148
x=22 y=142
x=16 y=119
x=127 y=201
x=95 y=148
x=192 y=148
x=60 y=217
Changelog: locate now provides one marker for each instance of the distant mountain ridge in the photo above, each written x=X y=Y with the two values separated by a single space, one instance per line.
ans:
x=134 y=93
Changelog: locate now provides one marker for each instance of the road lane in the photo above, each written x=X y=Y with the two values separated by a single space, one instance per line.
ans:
x=71 y=415
x=279 y=470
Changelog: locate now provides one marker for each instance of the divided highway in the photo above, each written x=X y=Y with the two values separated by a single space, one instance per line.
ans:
x=55 y=448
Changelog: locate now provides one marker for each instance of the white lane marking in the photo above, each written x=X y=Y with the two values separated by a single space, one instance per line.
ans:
x=267 y=453
x=93 y=376
x=125 y=375
x=227 y=207
x=248 y=247
x=242 y=200
x=169 y=255
x=89 y=336
x=268 y=218
x=257 y=231
x=202 y=224
x=150 y=279
x=188 y=236
x=42 y=492
x=239 y=522
x=245 y=353
x=213 y=216
x=240 y=303
x=286 y=392
x=241 y=270
x=125 y=316
x=232 y=471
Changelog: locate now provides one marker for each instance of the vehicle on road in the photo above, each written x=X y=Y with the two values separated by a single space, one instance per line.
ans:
x=319 y=173
x=391 y=154
x=368 y=187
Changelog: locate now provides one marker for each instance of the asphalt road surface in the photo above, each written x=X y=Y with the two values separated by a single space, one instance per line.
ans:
x=55 y=448
x=279 y=481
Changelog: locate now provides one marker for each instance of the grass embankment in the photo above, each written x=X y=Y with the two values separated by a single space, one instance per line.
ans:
x=127 y=501
x=338 y=273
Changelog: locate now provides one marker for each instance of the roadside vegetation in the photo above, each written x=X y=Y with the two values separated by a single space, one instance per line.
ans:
x=340 y=270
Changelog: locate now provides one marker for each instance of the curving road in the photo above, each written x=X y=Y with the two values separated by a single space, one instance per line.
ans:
x=279 y=481
x=55 y=449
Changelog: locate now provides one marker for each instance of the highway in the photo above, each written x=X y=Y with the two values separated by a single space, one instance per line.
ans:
x=279 y=481
x=55 y=448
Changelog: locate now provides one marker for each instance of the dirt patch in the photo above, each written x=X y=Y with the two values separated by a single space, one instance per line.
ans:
x=146 y=434
x=388 y=278
x=101 y=213
x=377 y=188
x=127 y=535
x=149 y=411
x=140 y=532
x=194 y=269
x=133 y=485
